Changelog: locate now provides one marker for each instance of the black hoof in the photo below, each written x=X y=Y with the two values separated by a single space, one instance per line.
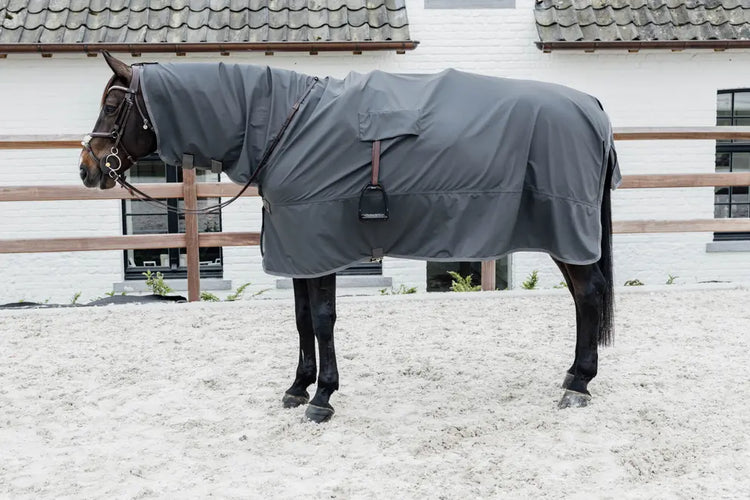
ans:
x=573 y=399
x=319 y=414
x=568 y=379
x=292 y=401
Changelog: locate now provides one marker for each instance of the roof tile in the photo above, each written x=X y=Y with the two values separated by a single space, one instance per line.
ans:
x=652 y=20
x=120 y=21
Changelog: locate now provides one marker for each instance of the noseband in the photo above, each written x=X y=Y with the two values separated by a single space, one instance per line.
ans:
x=124 y=109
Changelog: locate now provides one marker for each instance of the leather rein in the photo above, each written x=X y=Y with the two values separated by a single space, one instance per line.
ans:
x=125 y=108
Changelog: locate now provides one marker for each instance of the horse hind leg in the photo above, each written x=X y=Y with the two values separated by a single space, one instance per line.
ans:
x=322 y=292
x=564 y=270
x=588 y=288
x=297 y=394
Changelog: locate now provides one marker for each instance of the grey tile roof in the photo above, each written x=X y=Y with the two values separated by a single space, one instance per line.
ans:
x=201 y=21
x=642 y=20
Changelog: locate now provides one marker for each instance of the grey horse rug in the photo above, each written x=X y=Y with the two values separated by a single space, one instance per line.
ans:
x=473 y=167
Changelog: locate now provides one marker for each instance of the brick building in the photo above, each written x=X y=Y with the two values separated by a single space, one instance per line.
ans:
x=662 y=63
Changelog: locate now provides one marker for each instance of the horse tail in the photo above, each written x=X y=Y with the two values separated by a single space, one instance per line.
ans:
x=606 y=320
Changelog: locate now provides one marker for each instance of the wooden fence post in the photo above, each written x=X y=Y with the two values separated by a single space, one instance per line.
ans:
x=488 y=275
x=190 y=193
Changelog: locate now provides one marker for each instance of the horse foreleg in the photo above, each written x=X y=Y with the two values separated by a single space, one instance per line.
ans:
x=588 y=287
x=297 y=394
x=322 y=293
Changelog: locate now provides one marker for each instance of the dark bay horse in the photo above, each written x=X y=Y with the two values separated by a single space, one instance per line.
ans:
x=125 y=132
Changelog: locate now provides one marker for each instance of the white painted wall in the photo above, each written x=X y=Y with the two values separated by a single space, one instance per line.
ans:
x=649 y=88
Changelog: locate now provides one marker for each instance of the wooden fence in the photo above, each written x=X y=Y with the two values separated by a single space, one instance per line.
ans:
x=190 y=191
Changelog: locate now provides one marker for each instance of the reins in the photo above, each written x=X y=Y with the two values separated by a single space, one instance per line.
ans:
x=131 y=98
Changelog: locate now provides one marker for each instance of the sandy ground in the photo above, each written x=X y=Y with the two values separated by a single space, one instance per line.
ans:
x=449 y=396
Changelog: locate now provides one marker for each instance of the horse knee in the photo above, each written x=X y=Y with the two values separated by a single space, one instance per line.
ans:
x=591 y=294
x=323 y=319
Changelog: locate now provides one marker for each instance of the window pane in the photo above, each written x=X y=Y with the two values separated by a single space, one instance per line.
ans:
x=207 y=223
x=722 y=162
x=207 y=257
x=721 y=211
x=137 y=207
x=724 y=105
x=739 y=194
x=742 y=103
x=148 y=171
x=147 y=224
x=740 y=162
x=148 y=258
x=740 y=210
x=721 y=195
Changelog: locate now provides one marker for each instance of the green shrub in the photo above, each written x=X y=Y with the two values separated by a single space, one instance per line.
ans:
x=462 y=284
x=402 y=290
x=209 y=297
x=670 y=280
x=238 y=294
x=156 y=283
x=531 y=281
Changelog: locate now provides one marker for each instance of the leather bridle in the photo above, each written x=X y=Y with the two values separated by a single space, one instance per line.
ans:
x=124 y=110
x=123 y=113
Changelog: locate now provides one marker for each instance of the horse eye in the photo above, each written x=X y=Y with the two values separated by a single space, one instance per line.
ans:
x=109 y=109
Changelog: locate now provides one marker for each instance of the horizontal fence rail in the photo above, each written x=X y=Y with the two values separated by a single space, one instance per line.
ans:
x=190 y=191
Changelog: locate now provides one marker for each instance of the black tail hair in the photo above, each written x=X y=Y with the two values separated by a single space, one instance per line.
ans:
x=606 y=319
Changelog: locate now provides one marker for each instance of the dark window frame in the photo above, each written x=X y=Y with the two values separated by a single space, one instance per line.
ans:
x=730 y=147
x=174 y=270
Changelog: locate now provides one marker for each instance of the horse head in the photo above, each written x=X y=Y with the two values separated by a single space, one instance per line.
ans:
x=123 y=131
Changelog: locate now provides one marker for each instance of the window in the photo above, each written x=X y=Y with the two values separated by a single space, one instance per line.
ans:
x=733 y=108
x=438 y=279
x=140 y=217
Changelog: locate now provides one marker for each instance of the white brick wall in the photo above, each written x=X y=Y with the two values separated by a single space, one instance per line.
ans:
x=649 y=88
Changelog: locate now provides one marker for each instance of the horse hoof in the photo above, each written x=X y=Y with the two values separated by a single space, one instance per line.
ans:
x=319 y=414
x=292 y=401
x=573 y=399
x=568 y=379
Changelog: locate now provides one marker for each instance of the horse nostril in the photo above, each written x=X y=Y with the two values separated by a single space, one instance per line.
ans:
x=84 y=173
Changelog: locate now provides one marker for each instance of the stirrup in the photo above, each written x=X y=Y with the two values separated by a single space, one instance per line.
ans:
x=373 y=203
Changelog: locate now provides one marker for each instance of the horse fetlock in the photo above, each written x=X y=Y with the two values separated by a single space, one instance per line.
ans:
x=567 y=380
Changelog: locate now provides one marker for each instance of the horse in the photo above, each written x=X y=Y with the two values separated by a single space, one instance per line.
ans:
x=134 y=123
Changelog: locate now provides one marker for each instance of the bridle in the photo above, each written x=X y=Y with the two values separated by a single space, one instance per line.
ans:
x=123 y=113
x=121 y=120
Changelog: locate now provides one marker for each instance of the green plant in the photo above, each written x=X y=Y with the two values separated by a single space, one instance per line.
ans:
x=670 y=280
x=562 y=284
x=75 y=298
x=209 y=297
x=462 y=284
x=156 y=283
x=635 y=282
x=531 y=281
x=236 y=295
x=402 y=290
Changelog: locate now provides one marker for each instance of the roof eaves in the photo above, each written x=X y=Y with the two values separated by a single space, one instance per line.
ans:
x=636 y=45
x=222 y=47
